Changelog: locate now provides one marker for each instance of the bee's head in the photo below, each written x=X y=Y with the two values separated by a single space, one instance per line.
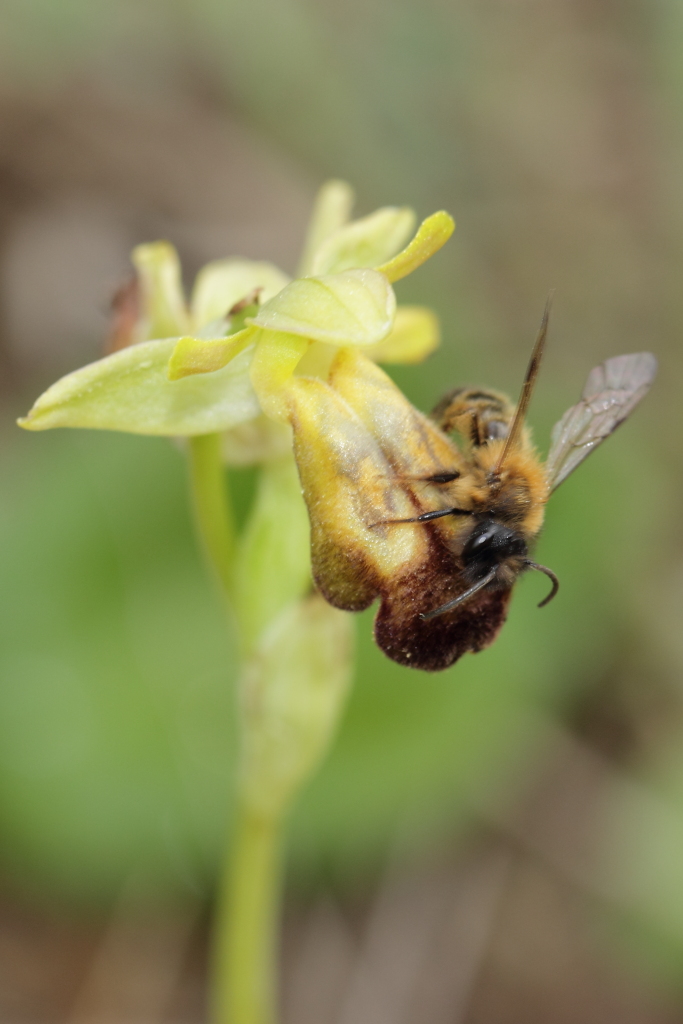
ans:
x=489 y=545
x=492 y=557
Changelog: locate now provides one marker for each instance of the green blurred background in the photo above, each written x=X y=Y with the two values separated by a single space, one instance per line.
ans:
x=553 y=131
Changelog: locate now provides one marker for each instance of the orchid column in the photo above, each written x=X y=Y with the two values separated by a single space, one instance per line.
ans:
x=225 y=371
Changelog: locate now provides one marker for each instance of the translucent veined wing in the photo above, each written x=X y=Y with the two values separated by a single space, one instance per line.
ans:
x=612 y=392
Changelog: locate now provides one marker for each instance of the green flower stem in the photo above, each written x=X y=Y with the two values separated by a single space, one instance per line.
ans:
x=245 y=948
x=244 y=967
x=213 y=513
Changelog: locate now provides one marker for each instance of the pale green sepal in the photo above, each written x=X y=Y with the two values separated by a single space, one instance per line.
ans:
x=293 y=692
x=331 y=210
x=431 y=235
x=206 y=355
x=130 y=391
x=356 y=307
x=221 y=284
x=164 y=313
x=366 y=242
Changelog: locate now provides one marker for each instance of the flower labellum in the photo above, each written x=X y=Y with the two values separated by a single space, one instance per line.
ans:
x=368 y=461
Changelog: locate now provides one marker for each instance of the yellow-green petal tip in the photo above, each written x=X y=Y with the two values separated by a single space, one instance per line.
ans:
x=199 y=355
x=431 y=235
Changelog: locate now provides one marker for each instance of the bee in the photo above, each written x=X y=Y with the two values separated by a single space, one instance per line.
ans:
x=499 y=492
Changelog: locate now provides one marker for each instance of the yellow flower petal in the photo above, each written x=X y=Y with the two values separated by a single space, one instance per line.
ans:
x=414 y=336
x=219 y=285
x=366 y=242
x=331 y=210
x=164 y=313
x=356 y=307
x=431 y=235
x=200 y=355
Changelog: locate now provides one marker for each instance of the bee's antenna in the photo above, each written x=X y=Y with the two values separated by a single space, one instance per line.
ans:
x=551 y=576
x=527 y=388
x=465 y=596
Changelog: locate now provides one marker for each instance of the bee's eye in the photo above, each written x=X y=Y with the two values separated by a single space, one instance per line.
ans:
x=482 y=539
x=496 y=430
x=491 y=542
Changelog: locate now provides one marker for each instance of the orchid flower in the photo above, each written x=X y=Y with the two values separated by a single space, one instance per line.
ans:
x=253 y=346
x=188 y=371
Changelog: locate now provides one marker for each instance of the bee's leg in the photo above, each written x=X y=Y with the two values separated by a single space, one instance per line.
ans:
x=427 y=516
x=440 y=478
x=433 y=478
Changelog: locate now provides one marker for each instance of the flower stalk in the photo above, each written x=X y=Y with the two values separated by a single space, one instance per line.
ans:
x=211 y=503
x=245 y=948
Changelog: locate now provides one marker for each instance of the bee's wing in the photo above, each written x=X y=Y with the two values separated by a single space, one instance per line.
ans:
x=612 y=392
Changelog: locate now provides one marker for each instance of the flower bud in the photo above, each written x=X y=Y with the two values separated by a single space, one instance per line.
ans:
x=292 y=692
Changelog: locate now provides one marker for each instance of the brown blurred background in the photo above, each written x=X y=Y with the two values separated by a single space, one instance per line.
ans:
x=503 y=843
